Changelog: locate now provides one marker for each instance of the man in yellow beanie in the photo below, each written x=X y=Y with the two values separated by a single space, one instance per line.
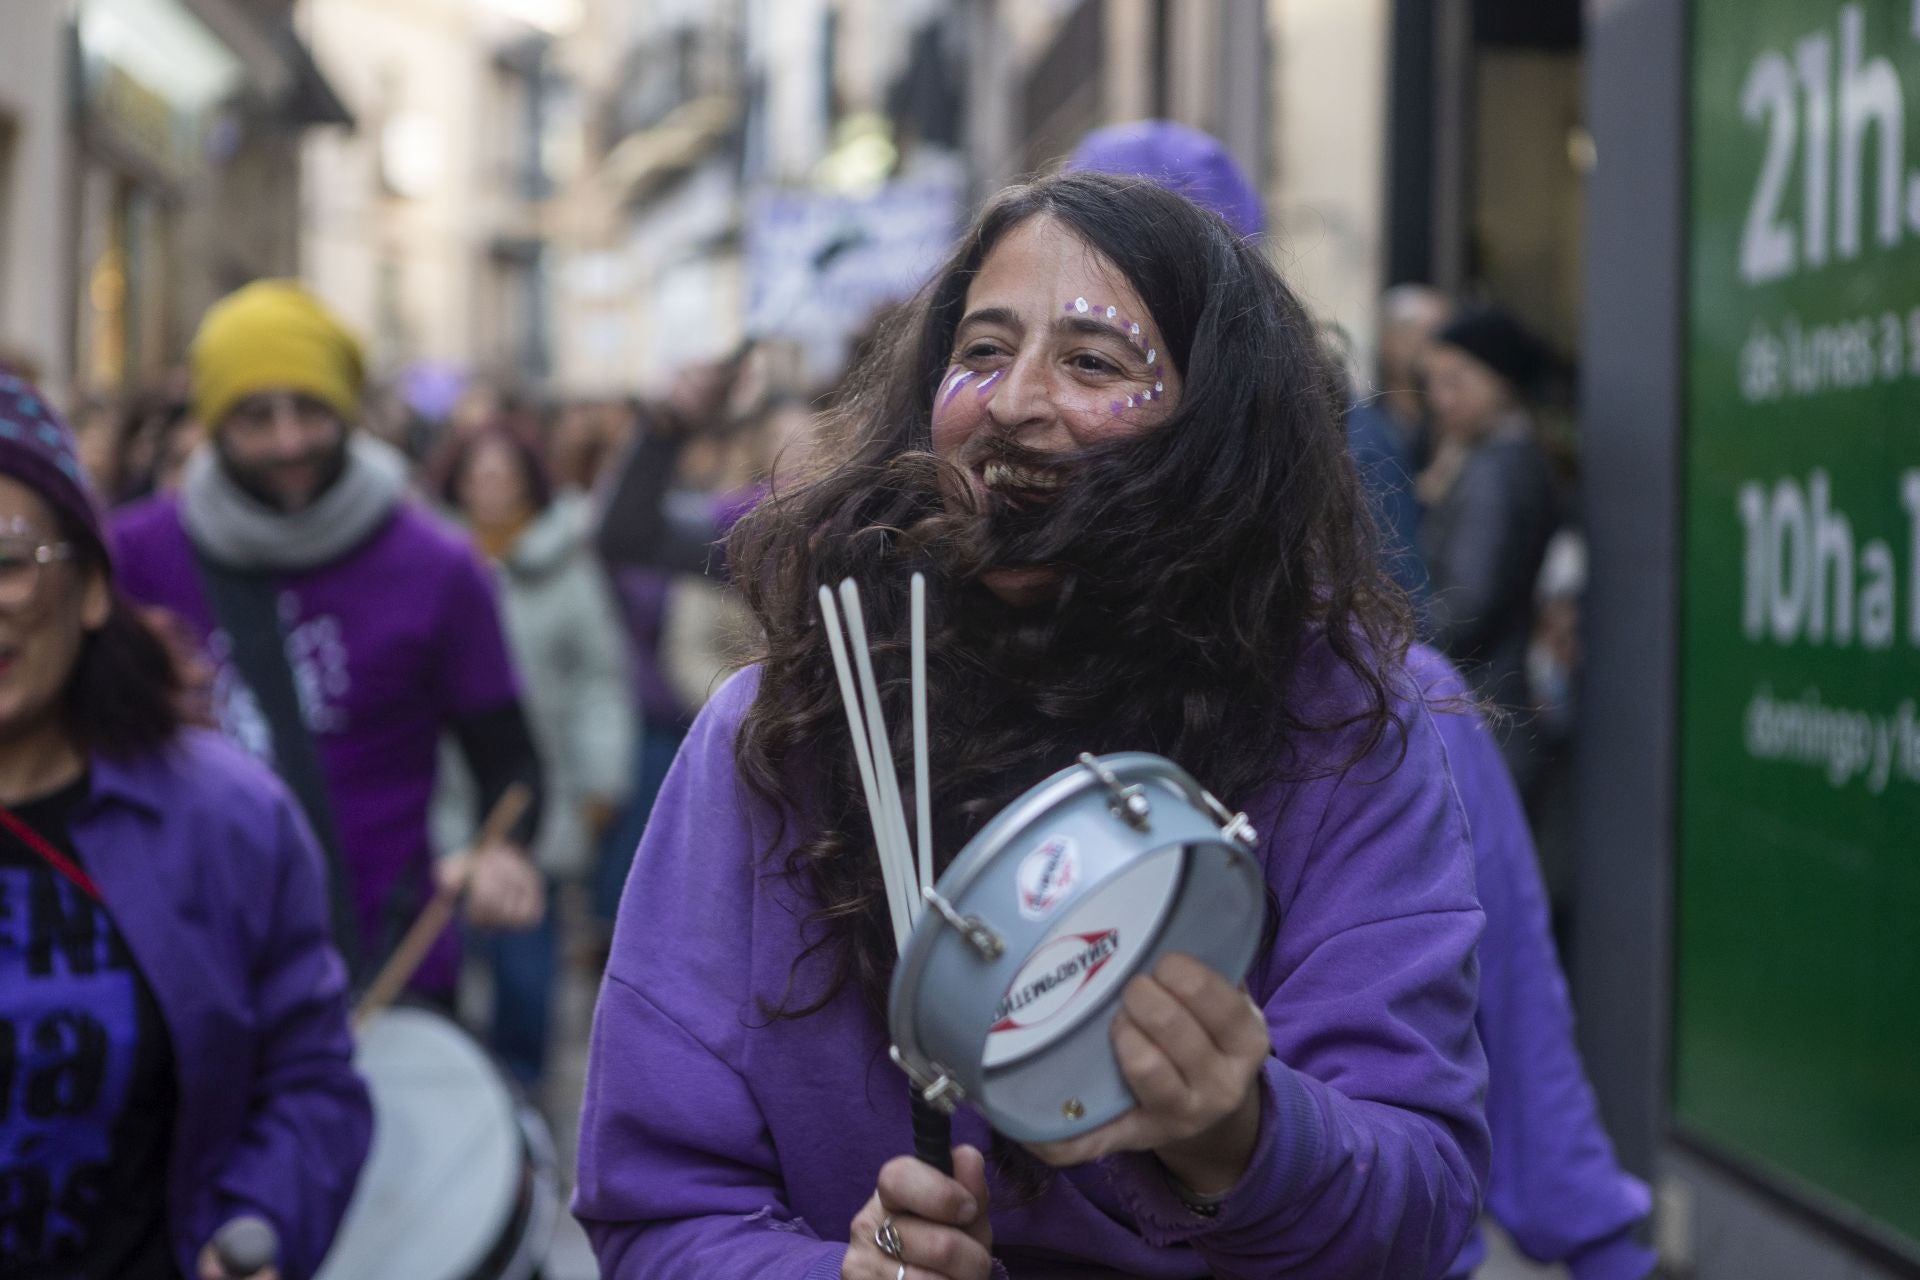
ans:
x=347 y=627
x=280 y=377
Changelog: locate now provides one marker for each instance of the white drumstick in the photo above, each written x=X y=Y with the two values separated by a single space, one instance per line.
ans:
x=895 y=851
x=922 y=787
x=857 y=727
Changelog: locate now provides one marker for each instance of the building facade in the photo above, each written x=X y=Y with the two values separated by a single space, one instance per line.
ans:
x=144 y=171
x=425 y=227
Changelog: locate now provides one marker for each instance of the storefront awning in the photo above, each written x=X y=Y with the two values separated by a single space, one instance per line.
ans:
x=196 y=53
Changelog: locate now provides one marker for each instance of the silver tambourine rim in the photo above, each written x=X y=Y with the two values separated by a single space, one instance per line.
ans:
x=993 y=840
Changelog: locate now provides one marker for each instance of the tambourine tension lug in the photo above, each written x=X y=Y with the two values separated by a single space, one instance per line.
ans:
x=1129 y=804
x=979 y=935
x=1235 y=828
x=940 y=1091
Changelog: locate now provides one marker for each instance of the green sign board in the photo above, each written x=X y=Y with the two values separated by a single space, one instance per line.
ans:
x=1797 y=963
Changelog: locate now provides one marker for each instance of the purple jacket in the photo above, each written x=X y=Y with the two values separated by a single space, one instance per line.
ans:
x=717 y=1143
x=1556 y=1187
x=210 y=872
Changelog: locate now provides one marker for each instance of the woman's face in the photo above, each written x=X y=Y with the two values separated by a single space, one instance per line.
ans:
x=1465 y=396
x=492 y=492
x=40 y=634
x=1055 y=353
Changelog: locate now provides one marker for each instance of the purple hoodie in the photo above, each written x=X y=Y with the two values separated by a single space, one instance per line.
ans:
x=717 y=1143
x=209 y=871
x=1556 y=1187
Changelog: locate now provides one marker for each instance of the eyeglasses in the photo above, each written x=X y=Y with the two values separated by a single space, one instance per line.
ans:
x=21 y=566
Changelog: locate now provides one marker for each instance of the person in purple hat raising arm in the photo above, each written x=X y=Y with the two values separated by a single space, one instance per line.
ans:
x=347 y=627
x=1556 y=1185
x=173 y=1023
x=1108 y=435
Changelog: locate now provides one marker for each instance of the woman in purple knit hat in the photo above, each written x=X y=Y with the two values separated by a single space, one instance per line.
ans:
x=1109 y=437
x=174 y=1052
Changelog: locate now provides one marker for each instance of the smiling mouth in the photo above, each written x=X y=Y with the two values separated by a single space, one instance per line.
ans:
x=1004 y=477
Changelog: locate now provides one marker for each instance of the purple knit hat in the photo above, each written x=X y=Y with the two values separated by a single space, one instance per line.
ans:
x=1179 y=158
x=36 y=448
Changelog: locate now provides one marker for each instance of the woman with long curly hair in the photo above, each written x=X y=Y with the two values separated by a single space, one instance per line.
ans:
x=1109 y=437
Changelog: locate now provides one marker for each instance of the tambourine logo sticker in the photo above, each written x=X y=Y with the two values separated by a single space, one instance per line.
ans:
x=1047 y=875
x=1091 y=949
x=1053 y=977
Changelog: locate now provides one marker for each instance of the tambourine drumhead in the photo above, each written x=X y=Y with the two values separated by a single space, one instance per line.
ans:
x=1081 y=898
x=454 y=1185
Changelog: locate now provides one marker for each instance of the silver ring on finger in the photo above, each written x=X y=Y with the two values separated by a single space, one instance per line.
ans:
x=886 y=1238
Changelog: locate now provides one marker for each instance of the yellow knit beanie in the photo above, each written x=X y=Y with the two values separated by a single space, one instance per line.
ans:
x=273 y=335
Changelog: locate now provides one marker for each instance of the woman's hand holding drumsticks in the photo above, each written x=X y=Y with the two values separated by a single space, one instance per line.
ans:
x=922 y=1225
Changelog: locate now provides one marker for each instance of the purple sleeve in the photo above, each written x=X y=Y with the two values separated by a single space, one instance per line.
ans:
x=1373 y=1146
x=475 y=672
x=678 y=1175
x=1556 y=1187
x=309 y=1121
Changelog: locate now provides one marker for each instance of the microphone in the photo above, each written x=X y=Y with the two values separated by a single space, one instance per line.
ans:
x=246 y=1245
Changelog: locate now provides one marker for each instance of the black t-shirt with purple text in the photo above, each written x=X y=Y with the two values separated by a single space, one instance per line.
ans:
x=86 y=1075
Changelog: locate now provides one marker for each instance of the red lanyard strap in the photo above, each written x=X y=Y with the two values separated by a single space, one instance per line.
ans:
x=51 y=856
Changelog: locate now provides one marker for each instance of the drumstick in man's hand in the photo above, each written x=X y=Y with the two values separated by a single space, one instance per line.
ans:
x=433 y=920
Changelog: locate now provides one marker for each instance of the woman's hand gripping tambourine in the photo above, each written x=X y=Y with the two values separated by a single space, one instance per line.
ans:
x=1190 y=1046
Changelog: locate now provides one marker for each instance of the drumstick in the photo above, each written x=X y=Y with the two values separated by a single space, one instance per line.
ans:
x=922 y=787
x=858 y=728
x=932 y=1128
x=899 y=852
x=434 y=918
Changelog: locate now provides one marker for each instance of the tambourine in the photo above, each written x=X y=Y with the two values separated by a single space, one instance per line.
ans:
x=1005 y=992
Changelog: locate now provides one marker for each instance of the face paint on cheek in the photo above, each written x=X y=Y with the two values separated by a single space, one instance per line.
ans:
x=956 y=417
x=956 y=379
x=986 y=384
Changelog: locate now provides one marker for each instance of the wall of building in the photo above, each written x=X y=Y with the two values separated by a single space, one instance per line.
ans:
x=1327 y=195
x=390 y=231
x=36 y=268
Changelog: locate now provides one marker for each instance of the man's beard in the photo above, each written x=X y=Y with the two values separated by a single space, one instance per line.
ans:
x=255 y=480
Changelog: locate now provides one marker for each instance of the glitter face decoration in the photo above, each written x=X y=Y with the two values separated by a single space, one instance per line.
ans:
x=1131 y=329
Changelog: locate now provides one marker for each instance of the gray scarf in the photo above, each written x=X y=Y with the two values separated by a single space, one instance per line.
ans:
x=241 y=532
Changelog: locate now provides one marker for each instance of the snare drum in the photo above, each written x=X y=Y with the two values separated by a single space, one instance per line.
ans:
x=461 y=1181
x=1008 y=985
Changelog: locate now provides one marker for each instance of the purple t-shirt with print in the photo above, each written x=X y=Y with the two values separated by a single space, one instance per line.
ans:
x=388 y=645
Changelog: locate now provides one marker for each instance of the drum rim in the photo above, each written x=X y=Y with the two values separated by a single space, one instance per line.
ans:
x=996 y=838
x=422 y=1012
